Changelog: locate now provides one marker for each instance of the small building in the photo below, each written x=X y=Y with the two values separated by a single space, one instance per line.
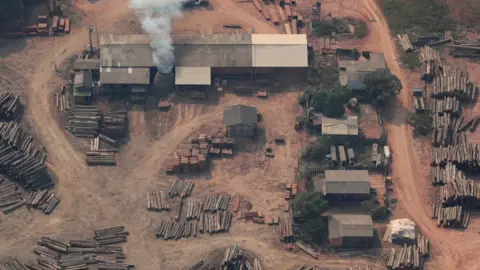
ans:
x=124 y=80
x=240 y=121
x=347 y=185
x=352 y=72
x=350 y=230
x=82 y=87
x=347 y=125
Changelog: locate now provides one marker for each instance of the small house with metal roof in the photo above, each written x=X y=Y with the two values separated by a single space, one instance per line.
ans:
x=82 y=87
x=349 y=230
x=347 y=185
x=240 y=121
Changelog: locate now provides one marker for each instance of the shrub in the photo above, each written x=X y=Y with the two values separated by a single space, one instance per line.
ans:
x=310 y=226
x=421 y=123
x=322 y=28
x=410 y=60
x=381 y=87
x=361 y=29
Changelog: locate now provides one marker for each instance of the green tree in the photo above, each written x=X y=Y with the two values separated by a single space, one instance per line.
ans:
x=421 y=123
x=321 y=28
x=381 y=86
x=310 y=226
x=333 y=106
x=361 y=29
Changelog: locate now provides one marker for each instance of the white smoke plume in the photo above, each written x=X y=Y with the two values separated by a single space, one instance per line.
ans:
x=156 y=18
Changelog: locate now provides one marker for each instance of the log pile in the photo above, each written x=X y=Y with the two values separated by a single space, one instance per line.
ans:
x=84 y=121
x=358 y=267
x=114 y=124
x=157 y=201
x=10 y=196
x=216 y=203
x=465 y=49
x=465 y=155
x=445 y=105
x=43 y=200
x=10 y=106
x=286 y=230
x=431 y=63
x=217 y=222
x=235 y=258
x=404 y=41
x=450 y=217
x=62 y=101
x=100 y=158
x=109 y=236
x=171 y=230
x=191 y=157
x=423 y=245
x=181 y=188
x=407 y=257
x=307 y=250
x=11 y=263
x=460 y=192
x=194 y=210
x=454 y=83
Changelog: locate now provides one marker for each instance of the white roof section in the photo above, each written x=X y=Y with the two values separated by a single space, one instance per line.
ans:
x=193 y=76
x=279 y=56
x=279 y=39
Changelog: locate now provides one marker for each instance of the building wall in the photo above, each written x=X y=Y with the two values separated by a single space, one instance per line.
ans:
x=347 y=197
x=357 y=241
x=120 y=88
x=336 y=242
x=241 y=130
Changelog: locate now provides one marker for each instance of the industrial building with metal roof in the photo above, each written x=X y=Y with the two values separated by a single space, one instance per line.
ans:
x=346 y=185
x=240 y=120
x=347 y=125
x=348 y=230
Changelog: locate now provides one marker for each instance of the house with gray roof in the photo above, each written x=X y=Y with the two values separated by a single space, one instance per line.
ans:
x=347 y=125
x=240 y=121
x=348 y=230
x=352 y=72
x=346 y=185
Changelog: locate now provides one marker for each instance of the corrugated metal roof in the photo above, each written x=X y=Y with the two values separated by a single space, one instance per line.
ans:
x=280 y=56
x=279 y=39
x=347 y=182
x=193 y=76
x=340 y=126
x=126 y=56
x=86 y=64
x=124 y=75
x=141 y=39
x=239 y=114
x=83 y=79
x=215 y=39
x=343 y=225
x=213 y=55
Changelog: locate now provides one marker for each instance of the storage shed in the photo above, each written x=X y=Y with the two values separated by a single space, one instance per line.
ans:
x=82 y=87
x=350 y=230
x=240 y=121
x=347 y=185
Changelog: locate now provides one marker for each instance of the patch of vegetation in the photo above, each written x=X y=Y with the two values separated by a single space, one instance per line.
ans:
x=381 y=87
x=328 y=102
x=361 y=29
x=318 y=151
x=417 y=16
x=322 y=28
x=410 y=60
x=379 y=213
x=421 y=123
x=310 y=226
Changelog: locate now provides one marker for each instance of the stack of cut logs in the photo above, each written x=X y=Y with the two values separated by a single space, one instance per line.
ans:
x=114 y=124
x=470 y=48
x=446 y=105
x=407 y=257
x=423 y=245
x=307 y=250
x=216 y=203
x=80 y=254
x=450 y=217
x=358 y=267
x=22 y=159
x=43 y=200
x=286 y=230
x=446 y=174
x=454 y=83
x=169 y=230
x=181 y=188
x=221 y=147
x=191 y=157
x=10 y=106
x=194 y=210
x=281 y=13
x=62 y=101
x=431 y=63
x=10 y=196
x=100 y=158
x=460 y=154
x=11 y=263
x=84 y=121
x=460 y=192
x=258 y=217
x=235 y=258
x=404 y=41
x=157 y=201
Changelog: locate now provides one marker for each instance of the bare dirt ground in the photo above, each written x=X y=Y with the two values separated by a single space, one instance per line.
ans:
x=100 y=197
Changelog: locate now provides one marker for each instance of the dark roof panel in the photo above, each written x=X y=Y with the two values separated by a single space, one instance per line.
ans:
x=240 y=114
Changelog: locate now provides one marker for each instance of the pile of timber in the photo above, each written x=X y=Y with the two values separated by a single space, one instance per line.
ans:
x=157 y=201
x=445 y=105
x=11 y=263
x=22 y=159
x=235 y=258
x=216 y=203
x=114 y=125
x=194 y=210
x=10 y=106
x=448 y=131
x=404 y=41
x=419 y=104
x=307 y=250
x=101 y=158
x=190 y=157
x=465 y=49
x=84 y=121
x=286 y=230
x=181 y=188
x=450 y=217
x=378 y=158
x=454 y=84
x=431 y=63
x=10 y=196
x=171 y=230
x=109 y=236
x=460 y=192
x=407 y=257
x=43 y=200
x=201 y=265
x=358 y=267
x=467 y=155
x=62 y=101
x=217 y=222
x=423 y=245
x=446 y=173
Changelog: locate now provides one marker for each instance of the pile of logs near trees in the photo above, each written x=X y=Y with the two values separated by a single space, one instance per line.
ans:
x=404 y=41
x=43 y=200
x=462 y=155
x=258 y=217
x=431 y=63
x=10 y=106
x=157 y=201
x=307 y=250
x=450 y=217
x=181 y=188
x=283 y=13
x=82 y=254
x=408 y=257
x=469 y=48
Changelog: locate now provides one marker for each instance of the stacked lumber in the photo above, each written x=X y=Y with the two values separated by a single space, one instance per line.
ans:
x=216 y=203
x=10 y=106
x=101 y=158
x=423 y=245
x=181 y=188
x=171 y=230
x=62 y=101
x=419 y=104
x=11 y=263
x=460 y=192
x=465 y=49
x=307 y=250
x=157 y=201
x=407 y=257
x=109 y=236
x=113 y=125
x=194 y=210
x=43 y=200
x=192 y=156
x=10 y=196
x=405 y=43
x=450 y=217
x=216 y=222
x=286 y=230
x=445 y=105
x=234 y=258
x=466 y=155
x=84 y=121
x=431 y=63
x=453 y=83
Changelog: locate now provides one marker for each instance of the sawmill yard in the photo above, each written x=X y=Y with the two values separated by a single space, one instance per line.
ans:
x=132 y=193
